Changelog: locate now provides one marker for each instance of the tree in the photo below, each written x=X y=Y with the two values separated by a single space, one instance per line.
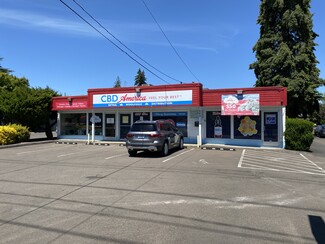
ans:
x=20 y=103
x=117 y=82
x=140 y=78
x=285 y=54
x=4 y=70
x=9 y=82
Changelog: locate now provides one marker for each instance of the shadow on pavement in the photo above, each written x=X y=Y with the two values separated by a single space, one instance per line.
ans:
x=317 y=226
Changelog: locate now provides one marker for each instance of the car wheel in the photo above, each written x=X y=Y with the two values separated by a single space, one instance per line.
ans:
x=164 y=151
x=132 y=153
x=181 y=143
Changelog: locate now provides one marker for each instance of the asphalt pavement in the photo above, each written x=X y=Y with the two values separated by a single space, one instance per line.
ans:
x=77 y=193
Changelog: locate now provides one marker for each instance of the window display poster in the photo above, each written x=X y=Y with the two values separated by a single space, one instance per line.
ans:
x=270 y=119
x=141 y=116
x=217 y=126
x=247 y=104
x=110 y=120
x=125 y=119
x=247 y=127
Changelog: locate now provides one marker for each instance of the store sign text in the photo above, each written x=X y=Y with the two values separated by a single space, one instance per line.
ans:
x=143 y=99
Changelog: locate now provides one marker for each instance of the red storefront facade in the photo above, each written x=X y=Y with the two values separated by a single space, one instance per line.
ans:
x=237 y=116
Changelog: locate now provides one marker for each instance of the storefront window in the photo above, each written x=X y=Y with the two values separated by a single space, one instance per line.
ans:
x=125 y=125
x=247 y=127
x=98 y=120
x=217 y=126
x=110 y=125
x=179 y=119
x=141 y=116
x=73 y=124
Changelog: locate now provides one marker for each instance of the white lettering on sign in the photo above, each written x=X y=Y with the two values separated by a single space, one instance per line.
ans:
x=143 y=99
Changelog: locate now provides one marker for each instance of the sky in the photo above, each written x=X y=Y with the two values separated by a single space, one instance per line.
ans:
x=48 y=44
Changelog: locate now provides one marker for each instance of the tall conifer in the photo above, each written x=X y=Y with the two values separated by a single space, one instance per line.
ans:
x=285 y=53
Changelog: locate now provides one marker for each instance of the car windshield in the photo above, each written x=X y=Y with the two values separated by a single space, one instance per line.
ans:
x=143 y=127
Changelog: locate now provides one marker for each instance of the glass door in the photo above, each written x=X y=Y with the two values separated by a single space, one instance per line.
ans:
x=125 y=125
x=110 y=125
x=271 y=124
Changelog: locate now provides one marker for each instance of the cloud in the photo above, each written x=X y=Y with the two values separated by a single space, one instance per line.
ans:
x=25 y=19
x=201 y=37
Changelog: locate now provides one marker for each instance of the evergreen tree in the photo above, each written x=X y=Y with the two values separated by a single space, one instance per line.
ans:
x=20 y=103
x=117 y=82
x=140 y=78
x=285 y=53
x=4 y=70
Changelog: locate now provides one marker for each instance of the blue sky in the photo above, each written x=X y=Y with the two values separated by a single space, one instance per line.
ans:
x=45 y=42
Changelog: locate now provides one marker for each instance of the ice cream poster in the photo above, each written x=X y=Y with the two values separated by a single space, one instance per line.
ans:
x=247 y=104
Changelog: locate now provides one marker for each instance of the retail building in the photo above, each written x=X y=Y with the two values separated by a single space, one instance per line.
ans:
x=236 y=116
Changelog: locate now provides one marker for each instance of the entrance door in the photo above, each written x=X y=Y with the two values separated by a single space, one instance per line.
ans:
x=110 y=123
x=125 y=125
x=271 y=124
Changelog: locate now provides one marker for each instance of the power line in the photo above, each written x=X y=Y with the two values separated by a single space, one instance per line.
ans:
x=122 y=42
x=179 y=56
x=76 y=13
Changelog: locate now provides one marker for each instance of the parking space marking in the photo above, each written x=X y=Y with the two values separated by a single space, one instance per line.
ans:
x=118 y=155
x=40 y=150
x=79 y=152
x=170 y=158
x=312 y=163
x=241 y=158
x=279 y=161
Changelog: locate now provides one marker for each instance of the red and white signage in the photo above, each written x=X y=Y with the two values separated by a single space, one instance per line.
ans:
x=248 y=104
x=143 y=99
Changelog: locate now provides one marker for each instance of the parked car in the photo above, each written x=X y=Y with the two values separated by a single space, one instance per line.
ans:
x=320 y=130
x=154 y=136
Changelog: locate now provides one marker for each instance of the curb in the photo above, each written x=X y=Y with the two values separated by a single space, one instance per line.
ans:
x=218 y=148
x=66 y=142
x=26 y=144
x=97 y=144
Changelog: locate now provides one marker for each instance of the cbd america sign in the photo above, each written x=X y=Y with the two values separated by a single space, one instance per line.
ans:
x=143 y=99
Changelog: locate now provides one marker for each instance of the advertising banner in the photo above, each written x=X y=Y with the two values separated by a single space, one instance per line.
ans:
x=248 y=104
x=143 y=99
x=66 y=105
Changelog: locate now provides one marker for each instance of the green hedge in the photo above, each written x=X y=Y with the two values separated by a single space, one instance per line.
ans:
x=13 y=133
x=299 y=134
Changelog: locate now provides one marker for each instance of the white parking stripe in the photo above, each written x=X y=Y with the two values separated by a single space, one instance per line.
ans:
x=115 y=156
x=312 y=163
x=177 y=155
x=79 y=152
x=63 y=155
x=241 y=158
x=39 y=150
x=285 y=162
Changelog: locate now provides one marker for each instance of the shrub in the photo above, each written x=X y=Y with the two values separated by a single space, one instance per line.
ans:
x=22 y=133
x=13 y=134
x=299 y=134
x=7 y=135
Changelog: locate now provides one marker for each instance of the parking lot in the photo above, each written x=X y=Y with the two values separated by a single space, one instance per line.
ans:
x=77 y=193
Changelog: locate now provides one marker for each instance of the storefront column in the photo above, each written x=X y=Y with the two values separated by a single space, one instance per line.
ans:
x=87 y=126
x=93 y=127
x=199 y=139
x=58 y=125
x=283 y=126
